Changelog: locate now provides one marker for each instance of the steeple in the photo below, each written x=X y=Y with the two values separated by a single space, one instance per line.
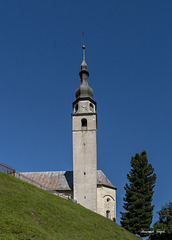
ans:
x=84 y=90
x=84 y=134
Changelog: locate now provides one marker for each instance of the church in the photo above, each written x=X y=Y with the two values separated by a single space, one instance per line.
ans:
x=85 y=184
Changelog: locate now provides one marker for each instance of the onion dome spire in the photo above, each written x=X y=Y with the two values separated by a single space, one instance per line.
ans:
x=84 y=90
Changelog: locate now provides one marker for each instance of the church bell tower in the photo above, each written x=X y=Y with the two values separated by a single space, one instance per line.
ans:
x=84 y=128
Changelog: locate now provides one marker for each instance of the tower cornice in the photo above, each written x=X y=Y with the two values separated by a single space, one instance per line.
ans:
x=83 y=99
x=83 y=114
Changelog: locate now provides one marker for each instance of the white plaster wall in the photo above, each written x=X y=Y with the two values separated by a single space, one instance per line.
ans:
x=85 y=162
x=91 y=122
x=84 y=106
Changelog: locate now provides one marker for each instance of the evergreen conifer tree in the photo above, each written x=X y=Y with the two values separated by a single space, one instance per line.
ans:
x=162 y=229
x=138 y=198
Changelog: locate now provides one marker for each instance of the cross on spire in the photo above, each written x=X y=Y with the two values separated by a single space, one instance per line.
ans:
x=83 y=37
x=83 y=46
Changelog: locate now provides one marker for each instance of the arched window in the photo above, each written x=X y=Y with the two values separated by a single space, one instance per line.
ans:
x=107 y=214
x=91 y=107
x=84 y=124
x=76 y=107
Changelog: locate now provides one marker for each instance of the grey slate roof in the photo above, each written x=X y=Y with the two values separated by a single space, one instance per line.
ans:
x=62 y=180
x=103 y=180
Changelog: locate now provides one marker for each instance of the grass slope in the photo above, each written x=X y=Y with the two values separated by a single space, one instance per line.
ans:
x=27 y=212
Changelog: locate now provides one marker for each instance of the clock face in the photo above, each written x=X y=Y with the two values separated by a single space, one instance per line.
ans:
x=84 y=107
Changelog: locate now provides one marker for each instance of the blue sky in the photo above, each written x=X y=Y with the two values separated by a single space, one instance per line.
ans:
x=129 y=58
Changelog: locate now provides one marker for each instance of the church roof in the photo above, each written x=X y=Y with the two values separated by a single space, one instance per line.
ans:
x=103 y=180
x=62 y=180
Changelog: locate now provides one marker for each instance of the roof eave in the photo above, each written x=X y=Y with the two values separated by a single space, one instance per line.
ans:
x=104 y=185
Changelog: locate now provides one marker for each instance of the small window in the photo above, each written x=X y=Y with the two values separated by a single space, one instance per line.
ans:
x=107 y=214
x=84 y=124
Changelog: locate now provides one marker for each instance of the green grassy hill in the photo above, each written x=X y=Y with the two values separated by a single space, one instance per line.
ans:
x=27 y=212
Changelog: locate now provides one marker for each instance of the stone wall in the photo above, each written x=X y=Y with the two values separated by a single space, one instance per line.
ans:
x=106 y=202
